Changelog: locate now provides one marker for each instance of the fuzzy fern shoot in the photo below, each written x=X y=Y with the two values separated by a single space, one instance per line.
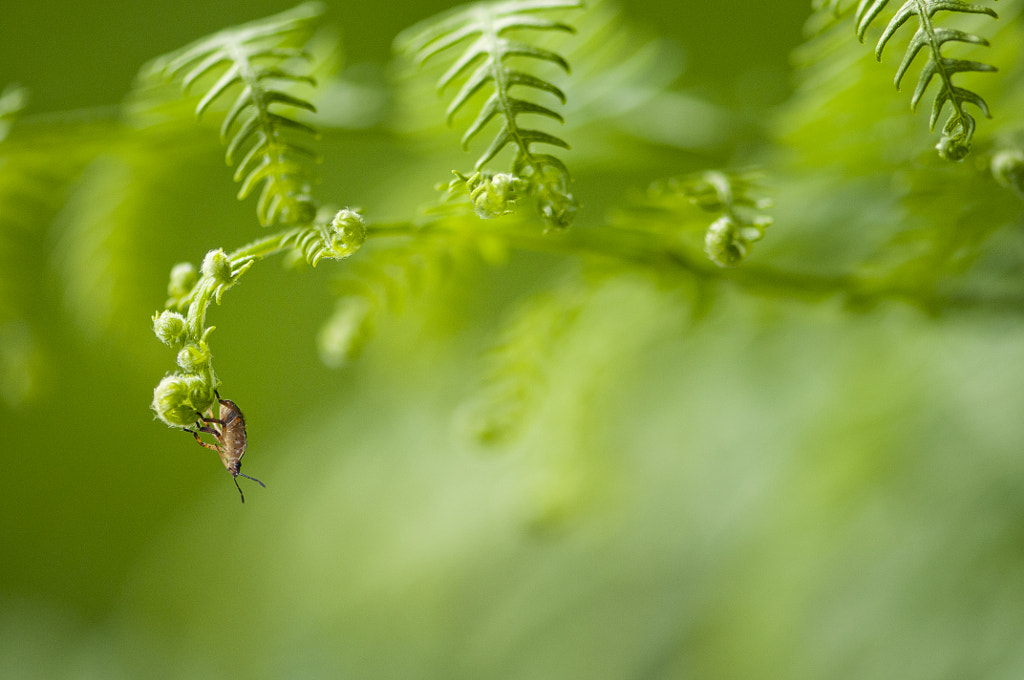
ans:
x=260 y=129
x=502 y=63
x=958 y=130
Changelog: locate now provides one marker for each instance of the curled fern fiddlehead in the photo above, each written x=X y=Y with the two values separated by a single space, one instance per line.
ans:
x=492 y=195
x=733 y=197
x=260 y=127
x=498 y=59
x=959 y=127
x=1008 y=169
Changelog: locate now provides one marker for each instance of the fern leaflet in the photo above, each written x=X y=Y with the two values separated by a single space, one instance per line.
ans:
x=959 y=127
x=494 y=52
x=259 y=57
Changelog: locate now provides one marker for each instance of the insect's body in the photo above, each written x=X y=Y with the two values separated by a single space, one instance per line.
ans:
x=232 y=436
x=229 y=430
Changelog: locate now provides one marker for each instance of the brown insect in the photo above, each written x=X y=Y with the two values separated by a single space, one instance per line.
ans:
x=229 y=430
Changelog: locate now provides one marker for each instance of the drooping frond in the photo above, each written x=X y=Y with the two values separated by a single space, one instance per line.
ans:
x=384 y=280
x=496 y=58
x=959 y=127
x=515 y=384
x=260 y=61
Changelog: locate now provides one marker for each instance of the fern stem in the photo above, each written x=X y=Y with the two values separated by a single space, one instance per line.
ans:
x=639 y=249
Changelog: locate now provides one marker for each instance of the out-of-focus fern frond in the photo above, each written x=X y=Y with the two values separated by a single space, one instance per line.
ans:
x=494 y=54
x=383 y=279
x=958 y=130
x=38 y=165
x=12 y=101
x=261 y=127
x=826 y=14
x=519 y=366
x=737 y=198
x=624 y=83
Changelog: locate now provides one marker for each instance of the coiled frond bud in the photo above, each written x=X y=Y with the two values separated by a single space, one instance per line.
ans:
x=337 y=240
x=727 y=242
x=734 y=196
x=179 y=399
x=1008 y=169
x=492 y=195
x=170 y=328
x=182 y=282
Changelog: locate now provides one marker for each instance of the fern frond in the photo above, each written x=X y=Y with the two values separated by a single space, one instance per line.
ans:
x=13 y=99
x=516 y=383
x=959 y=127
x=258 y=60
x=384 y=279
x=499 y=64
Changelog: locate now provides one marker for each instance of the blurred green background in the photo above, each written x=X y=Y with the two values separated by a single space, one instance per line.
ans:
x=770 y=489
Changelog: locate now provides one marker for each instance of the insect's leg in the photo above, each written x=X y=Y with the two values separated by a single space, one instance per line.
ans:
x=200 y=441
x=210 y=430
x=211 y=420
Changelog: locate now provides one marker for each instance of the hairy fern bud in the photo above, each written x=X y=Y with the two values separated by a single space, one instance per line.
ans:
x=727 y=242
x=722 y=244
x=217 y=266
x=179 y=399
x=339 y=239
x=1008 y=169
x=194 y=358
x=492 y=195
x=170 y=328
x=183 y=280
x=348 y=231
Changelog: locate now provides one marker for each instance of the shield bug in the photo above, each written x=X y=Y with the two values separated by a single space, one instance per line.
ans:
x=229 y=431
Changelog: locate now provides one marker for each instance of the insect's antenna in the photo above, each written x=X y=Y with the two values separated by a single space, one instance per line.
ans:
x=235 y=477
x=252 y=478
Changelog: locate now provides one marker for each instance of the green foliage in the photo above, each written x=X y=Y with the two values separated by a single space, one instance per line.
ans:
x=260 y=129
x=958 y=130
x=717 y=449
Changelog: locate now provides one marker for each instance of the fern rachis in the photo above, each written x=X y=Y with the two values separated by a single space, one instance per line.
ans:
x=959 y=128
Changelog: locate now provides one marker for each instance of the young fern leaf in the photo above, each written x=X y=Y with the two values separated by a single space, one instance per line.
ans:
x=735 y=197
x=500 y=63
x=959 y=127
x=260 y=127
